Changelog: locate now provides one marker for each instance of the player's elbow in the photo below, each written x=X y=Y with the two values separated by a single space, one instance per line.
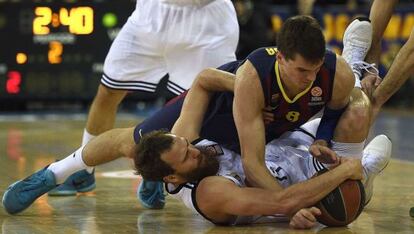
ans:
x=250 y=164
x=204 y=77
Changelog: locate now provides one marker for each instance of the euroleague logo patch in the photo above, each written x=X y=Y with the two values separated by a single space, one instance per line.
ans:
x=316 y=99
x=316 y=91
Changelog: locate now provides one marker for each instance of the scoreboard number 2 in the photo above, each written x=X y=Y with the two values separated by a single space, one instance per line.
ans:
x=55 y=52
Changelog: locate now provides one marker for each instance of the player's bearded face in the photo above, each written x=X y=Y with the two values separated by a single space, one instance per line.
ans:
x=207 y=166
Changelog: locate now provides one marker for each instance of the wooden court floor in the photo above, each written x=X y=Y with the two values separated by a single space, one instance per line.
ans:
x=28 y=143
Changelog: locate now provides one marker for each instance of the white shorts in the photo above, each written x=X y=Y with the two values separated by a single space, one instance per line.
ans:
x=180 y=39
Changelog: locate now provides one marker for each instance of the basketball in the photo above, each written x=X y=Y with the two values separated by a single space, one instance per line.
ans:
x=343 y=205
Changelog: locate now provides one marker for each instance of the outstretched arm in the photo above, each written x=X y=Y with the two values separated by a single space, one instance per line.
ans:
x=380 y=14
x=256 y=201
x=197 y=100
x=248 y=104
x=401 y=69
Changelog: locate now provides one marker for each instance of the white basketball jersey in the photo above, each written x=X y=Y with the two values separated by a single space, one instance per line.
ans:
x=287 y=159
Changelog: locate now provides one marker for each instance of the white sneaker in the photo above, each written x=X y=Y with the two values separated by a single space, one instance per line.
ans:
x=376 y=157
x=357 y=41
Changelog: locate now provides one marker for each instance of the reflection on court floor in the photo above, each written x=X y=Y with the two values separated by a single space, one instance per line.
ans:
x=29 y=143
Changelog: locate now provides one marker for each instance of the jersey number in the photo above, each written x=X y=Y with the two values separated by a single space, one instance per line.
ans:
x=292 y=116
x=271 y=51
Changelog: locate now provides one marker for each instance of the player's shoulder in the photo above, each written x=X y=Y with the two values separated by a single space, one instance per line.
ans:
x=263 y=52
x=330 y=59
x=263 y=60
x=213 y=186
x=329 y=54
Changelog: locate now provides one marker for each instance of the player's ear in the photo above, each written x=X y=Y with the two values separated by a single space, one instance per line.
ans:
x=280 y=57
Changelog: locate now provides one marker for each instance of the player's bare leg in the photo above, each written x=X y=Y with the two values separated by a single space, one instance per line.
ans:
x=103 y=110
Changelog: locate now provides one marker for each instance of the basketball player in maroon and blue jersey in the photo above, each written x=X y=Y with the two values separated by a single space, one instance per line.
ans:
x=219 y=116
x=293 y=82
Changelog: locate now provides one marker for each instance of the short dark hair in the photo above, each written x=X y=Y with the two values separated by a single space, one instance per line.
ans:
x=302 y=35
x=147 y=158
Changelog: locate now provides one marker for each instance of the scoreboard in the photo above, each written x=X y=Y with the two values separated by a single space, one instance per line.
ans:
x=54 y=50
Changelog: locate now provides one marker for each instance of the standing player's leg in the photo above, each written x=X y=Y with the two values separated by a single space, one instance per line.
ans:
x=133 y=63
x=207 y=37
x=102 y=112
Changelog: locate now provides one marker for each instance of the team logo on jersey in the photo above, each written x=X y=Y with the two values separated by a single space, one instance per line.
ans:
x=316 y=91
x=316 y=98
x=215 y=150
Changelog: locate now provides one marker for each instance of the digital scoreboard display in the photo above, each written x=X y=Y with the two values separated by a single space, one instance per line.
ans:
x=54 y=50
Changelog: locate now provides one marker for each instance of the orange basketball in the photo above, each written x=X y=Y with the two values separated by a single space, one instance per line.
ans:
x=343 y=205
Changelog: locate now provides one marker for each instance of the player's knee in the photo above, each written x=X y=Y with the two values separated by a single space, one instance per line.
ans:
x=356 y=118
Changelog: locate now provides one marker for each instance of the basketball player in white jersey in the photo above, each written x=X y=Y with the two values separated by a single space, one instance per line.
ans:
x=210 y=179
x=174 y=37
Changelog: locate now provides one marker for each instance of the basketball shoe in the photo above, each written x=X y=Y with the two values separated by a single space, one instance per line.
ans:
x=376 y=157
x=151 y=194
x=81 y=181
x=357 y=41
x=23 y=193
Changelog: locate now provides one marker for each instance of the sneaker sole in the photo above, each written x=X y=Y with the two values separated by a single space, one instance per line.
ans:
x=62 y=193
x=87 y=189
x=72 y=192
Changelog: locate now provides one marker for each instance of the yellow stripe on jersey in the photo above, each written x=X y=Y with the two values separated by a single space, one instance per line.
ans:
x=285 y=96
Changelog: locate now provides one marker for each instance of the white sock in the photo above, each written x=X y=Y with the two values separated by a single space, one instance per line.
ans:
x=348 y=149
x=62 y=169
x=86 y=137
x=357 y=81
